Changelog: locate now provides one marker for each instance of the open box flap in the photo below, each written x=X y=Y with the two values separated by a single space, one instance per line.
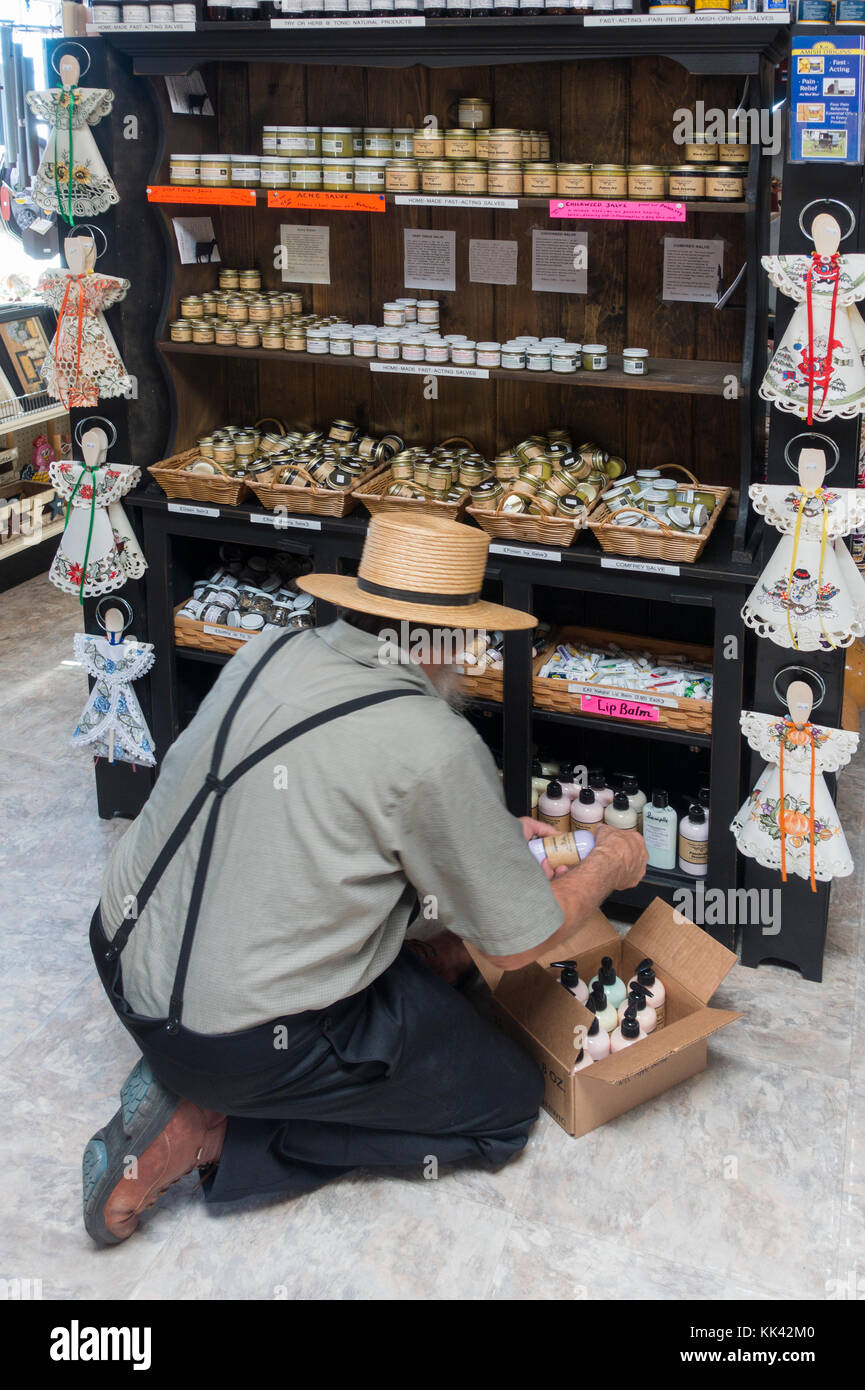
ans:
x=535 y=998
x=658 y=1046
x=697 y=960
x=491 y=973
x=594 y=934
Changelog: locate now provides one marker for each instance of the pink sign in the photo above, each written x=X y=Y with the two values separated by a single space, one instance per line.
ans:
x=608 y=210
x=619 y=709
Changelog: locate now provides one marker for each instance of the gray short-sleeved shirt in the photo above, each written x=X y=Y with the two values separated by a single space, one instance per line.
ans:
x=321 y=852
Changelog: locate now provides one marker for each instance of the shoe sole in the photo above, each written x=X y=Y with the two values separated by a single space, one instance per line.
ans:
x=145 y=1109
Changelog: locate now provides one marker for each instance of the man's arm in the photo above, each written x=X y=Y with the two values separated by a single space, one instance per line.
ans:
x=618 y=861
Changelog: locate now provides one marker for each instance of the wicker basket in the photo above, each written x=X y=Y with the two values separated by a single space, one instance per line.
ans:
x=485 y=685
x=322 y=501
x=688 y=716
x=662 y=543
x=372 y=495
x=208 y=637
x=539 y=530
x=197 y=487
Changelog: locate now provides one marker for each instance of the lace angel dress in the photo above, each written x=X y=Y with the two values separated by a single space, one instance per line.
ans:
x=83 y=364
x=818 y=373
x=782 y=824
x=98 y=551
x=810 y=596
x=90 y=190
x=113 y=705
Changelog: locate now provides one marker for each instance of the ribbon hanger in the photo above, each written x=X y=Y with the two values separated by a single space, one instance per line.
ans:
x=811 y=469
x=94 y=448
x=799 y=699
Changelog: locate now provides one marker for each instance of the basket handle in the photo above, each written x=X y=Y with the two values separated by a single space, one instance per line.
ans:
x=687 y=472
x=640 y=511
x=458 y=439
x=299 y=468
x=271 y=419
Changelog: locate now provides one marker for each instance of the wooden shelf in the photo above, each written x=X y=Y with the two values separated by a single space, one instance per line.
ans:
x=10 y=548
x=470 y=205
x=672 y=374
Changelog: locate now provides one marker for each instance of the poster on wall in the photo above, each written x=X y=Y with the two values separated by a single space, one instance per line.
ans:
x=826 y=75
x=26 y=347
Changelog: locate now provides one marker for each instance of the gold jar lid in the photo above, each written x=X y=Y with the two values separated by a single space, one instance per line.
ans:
x=574 y=168
x=645 y=168
x=506 y=166
x=477 y=166
x=723 y=169
x=690 y=169
x=609 y=168
x=402 y=164
x=464 y=132
x=505 y=130
x=542 y=166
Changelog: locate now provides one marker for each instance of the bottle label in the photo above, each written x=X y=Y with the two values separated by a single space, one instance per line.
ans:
x=693 y=851
x=590 y=825
x=560 y=823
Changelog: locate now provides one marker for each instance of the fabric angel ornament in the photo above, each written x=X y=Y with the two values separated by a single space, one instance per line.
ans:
x=789 y=821
x=98 y=551
x=72 y=179
x=83 y=364
x=810 y=596
x=112 y=725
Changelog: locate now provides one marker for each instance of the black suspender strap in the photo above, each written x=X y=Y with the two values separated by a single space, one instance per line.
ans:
x=219 y=786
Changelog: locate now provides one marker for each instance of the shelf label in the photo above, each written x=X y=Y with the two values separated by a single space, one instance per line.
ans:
x=640 y=566
x=596 y=21
x=429 y=369
x=610 y=210
x=591 y=692
x=620 y=709
x=280 y=521
x=358 y=22
x=189 y=509
x=525 y=552
x=179 y=28
x=327 y=202
x=178 y=193
x=234 y=633
x=426 y=200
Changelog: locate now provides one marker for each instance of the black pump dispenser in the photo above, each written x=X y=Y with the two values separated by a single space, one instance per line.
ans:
x=645 y=973
x=621 y=802
x=630 y=1026
x=570 y=976
x=607 y=972
x=597 y=999
x=586 y=796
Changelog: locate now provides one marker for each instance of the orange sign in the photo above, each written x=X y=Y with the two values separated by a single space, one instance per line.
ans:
x=328 y=202
x=174 y=193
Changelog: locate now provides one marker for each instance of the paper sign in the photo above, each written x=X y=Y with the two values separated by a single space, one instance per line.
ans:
x=609 y=210
x=586 y=688
x=361 y=22
x=304 y=254
x=327 y=202
x=619 y=709
x=188 y=509
x=713 y=17
x=640 y=566
x=428 y=369
x=235 y=633
x=559 y=261
x=524 y=552
x=281 y=521
x=429 y=260
x=493 y=262
x=693 y=270
x=178 y=193
x=188 y=95
x=827 y=73
x=446 y=200
x=196 y=240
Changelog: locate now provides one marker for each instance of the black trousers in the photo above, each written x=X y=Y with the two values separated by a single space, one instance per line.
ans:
x=405 y=1072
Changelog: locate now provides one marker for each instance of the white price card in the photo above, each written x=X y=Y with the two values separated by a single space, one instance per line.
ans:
x=281 y=522
x=234 y=633
x=524 y=552
x=428 y=369
x=445 y=200
x=361 y=22
x=189 y=509
x=639 y=566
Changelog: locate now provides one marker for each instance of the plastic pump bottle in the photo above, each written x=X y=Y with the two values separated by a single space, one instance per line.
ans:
x=636 y=798
x=660 y=826
x=598 y=783
x=597 y=1041
x=614 y=988
x=604 y=1012
x=694 y=842
x=566 y=781
x=656 y=994
x=627 y=1033
x=585 y=1059
x=570 y=978
x=554 y=807
x=565 y=848
x=587 y=812
x=704 y=796
x=620 y=813
x=638 y=1001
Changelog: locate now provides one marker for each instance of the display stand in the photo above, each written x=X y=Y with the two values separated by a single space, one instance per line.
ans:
x=604 y=109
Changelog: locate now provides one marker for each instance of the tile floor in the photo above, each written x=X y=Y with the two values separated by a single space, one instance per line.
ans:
x=747 y=1181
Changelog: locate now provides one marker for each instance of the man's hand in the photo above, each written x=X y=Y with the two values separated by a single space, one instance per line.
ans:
x=625 y=852
x=534 y=828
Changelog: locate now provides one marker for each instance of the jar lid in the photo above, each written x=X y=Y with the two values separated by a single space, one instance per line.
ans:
x=377 y=130
x=688 y=169
x=475 y=165
x=461 y=131
x=645 y=168
x=214 y=158
x=402 y=164
x=334 y=129
x=364 y=163
x=636 y=352
x=488 y=347
x=505 y=130
x=609 y=168
x=329 y=163
x=724 y=169
x=594 y=347
x=574 y=168
x=505 y=165
x=192 y=157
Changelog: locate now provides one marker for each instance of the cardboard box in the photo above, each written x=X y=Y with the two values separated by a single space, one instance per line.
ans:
x=24 y=509
x=533 y=1008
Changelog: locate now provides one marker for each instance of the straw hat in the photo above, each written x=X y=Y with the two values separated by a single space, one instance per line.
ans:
x=421 y=568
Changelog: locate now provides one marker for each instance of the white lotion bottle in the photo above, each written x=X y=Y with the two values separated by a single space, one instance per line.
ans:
x=614 y=988
x=603 y=1011
x=660 y=830
x=603 y=792
x=597 y=1041
x=637 y=1000
x=636 y=798
x=656 y=993
x=587 y=812
x=627 y=1033
x=570 y=978
x=554 y=807
x=584 y=1060
x=620 y=813
x=694 y=843
x=570 y=788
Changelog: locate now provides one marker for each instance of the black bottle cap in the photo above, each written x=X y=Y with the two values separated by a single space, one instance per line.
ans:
x=697 y=814
x=630 y=785
x=645 y=972
x=597 y=780
x=565 y=774
x=594 y=1028
x=580 y=1053
x=570 y=975
x=607 y=972
x=536 y=767
x=554 y=788
x=597 y=999
x=630 y=1026
x=621 y=802
x=586 y=797
x=637 y=998
x=660 y=800
x=704 y=796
